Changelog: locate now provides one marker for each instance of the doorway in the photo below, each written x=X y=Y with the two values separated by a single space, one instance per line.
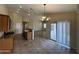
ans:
x=60 y=32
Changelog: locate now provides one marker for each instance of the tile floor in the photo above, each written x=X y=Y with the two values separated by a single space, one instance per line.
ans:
x=38 y=46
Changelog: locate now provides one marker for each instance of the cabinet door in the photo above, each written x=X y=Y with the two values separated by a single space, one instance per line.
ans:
x=29 y=35
x=0 y=24
x=4 y=23
x=6 y=44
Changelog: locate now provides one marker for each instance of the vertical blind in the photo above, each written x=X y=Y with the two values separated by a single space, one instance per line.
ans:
x=62 y=32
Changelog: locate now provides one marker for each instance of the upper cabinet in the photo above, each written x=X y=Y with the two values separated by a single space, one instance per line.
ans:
x=4 y=23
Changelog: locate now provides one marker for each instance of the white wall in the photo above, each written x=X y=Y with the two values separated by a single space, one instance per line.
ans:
x=16 y=22
x=3 y=10
x=37 y=25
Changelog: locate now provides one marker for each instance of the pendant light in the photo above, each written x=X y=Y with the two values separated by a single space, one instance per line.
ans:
x=44 y=18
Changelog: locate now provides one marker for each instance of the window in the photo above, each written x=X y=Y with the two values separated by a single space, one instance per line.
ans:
x=44 y=25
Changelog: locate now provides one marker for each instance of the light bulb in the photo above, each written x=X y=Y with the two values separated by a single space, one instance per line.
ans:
x=47 y=19
x=43 y=17
x=20 y=6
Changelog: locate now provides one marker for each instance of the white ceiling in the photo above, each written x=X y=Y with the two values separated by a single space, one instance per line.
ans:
x=50 y=8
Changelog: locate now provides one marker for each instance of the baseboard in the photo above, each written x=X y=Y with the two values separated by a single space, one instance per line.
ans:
x=74 y=50
x=77 y=51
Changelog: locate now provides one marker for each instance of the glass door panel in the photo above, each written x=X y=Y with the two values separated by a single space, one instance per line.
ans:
x=53 y=31
x=60 y=32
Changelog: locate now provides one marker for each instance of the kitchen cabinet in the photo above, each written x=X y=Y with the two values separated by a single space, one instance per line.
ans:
x=4 y=23
x=27 y=34
x=6 y=44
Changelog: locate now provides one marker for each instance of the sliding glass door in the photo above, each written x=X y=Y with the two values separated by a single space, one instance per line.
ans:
x=60 y=32
x=53 y=31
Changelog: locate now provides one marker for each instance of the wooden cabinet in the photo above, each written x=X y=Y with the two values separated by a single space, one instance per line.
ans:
x=27 y=32
x=28 y=35
x=4 y=23
x=6 y=45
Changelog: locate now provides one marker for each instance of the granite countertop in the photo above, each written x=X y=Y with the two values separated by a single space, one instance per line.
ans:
x=28 y=30
x=7 y=36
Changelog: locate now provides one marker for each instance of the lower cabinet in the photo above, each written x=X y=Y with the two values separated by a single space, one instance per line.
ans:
x=28 y=35
x=6 y=45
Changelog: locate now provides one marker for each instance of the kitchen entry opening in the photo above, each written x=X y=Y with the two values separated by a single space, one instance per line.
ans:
x=60 y=32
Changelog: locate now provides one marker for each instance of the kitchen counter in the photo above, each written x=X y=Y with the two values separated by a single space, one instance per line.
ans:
x=27 y=34
x=6 y=44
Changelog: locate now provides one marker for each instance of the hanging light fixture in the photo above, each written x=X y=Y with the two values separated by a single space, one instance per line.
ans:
x=44 y=18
